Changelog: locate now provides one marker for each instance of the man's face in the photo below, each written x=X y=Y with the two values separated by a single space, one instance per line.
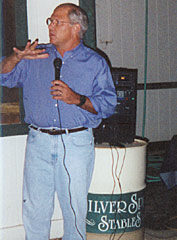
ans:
x=60 y=34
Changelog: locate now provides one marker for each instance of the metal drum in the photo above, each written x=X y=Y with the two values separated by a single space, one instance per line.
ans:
x=116 y=194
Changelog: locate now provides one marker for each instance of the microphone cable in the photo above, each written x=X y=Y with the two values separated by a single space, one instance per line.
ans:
x=69 y=177
x=57 y=64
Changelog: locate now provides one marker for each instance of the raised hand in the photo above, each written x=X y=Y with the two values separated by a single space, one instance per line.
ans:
x=30 y=51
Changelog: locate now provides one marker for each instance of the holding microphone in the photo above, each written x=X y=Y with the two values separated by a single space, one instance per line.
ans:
x=61 y=91
x=57 y=83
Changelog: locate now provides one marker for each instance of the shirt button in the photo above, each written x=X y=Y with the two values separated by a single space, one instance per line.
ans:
x=56 y=105
x=54 y=120
x=63 y=62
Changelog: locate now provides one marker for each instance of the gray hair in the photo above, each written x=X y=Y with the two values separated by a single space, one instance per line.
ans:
x=77 y=15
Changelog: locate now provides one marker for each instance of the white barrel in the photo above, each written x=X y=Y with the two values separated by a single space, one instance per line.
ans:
x=116 y=194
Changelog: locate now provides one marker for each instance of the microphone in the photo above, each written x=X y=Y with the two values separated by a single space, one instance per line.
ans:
x=57 y=64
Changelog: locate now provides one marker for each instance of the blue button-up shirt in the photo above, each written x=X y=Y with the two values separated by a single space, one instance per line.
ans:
x=86 y=73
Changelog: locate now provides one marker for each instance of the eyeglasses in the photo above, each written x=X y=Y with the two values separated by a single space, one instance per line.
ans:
x=55 y=21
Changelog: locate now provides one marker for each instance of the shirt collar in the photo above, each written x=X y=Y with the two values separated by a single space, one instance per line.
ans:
x=70 y=53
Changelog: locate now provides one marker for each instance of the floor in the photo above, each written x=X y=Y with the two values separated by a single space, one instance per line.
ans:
x=160 y=212
x=160 y=215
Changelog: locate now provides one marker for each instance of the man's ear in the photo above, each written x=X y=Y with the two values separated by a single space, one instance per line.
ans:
x=77 y=28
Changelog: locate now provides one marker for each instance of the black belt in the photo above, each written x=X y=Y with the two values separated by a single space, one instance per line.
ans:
x=58 y=132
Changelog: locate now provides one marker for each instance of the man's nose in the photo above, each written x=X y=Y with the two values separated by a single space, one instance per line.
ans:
x=51 y=25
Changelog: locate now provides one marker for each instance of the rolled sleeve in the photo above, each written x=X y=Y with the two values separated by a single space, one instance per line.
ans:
x=104 y=97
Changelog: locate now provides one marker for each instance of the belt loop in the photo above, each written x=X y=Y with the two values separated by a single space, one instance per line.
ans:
x=67 y=132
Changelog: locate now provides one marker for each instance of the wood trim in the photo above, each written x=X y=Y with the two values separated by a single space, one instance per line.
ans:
x=8 y=27
x=157 y=85
x=13 y=130
x=90 y=36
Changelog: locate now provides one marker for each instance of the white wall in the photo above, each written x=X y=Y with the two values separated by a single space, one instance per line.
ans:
x=12 y=151
x=121 y=35
x=38 y=12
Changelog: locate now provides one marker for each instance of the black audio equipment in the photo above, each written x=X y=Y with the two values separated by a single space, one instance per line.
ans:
x=120 y=128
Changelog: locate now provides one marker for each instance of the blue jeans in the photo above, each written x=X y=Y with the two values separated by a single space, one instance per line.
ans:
x=53 y=167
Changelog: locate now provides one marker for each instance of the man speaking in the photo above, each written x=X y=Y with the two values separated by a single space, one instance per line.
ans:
x=67 y=90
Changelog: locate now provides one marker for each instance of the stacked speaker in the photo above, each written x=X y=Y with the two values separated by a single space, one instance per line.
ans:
x=120 y=128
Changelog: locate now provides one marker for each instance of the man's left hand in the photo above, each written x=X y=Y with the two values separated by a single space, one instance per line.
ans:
x=61 y=91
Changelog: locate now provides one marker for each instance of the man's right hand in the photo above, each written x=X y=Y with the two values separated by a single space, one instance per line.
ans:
x=30 y=52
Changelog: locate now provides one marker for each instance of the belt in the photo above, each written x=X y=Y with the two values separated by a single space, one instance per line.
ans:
x=58 y=132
